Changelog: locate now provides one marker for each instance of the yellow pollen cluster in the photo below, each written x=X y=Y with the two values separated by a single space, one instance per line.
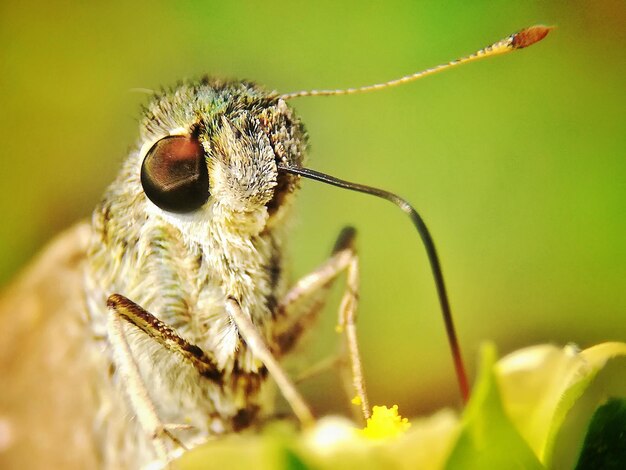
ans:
x=385 y=423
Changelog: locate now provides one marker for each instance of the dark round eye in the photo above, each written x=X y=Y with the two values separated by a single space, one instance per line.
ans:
x=174 y=174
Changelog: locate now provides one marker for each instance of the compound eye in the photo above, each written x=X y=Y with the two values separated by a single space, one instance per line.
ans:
x=174 y=174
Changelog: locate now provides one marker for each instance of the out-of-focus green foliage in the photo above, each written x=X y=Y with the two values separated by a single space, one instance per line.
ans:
x=488 y=438
x=516 y=163
x=605 y=443
x=599 y=375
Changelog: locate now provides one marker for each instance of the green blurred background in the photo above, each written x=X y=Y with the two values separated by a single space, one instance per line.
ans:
x=517 y=163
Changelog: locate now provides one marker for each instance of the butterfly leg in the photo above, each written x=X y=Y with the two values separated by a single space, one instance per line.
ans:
x=316 y=284
x=122 y=308
x=261 y=350
x=300 y=307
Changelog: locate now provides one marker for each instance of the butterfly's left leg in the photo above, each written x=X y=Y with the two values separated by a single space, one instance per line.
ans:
x=343 y=259
x=261 y=350
x=123 y=309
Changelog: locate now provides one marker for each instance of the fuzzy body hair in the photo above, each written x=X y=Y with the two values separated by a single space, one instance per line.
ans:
x=182 y=267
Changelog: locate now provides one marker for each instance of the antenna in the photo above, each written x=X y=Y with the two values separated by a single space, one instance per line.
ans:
x=524 y=38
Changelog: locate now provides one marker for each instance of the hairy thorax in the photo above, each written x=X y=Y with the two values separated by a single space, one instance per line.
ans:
x=184 y=283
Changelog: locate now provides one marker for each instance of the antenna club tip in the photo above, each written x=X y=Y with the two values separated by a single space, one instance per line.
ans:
x=529 y=36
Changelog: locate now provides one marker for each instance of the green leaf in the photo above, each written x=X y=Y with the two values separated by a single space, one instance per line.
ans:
x=601 y=375
x=551 y=393
x=293 y=461
x=605 y=443
x=532 y=382
x=488 y=439
x=267 y=451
